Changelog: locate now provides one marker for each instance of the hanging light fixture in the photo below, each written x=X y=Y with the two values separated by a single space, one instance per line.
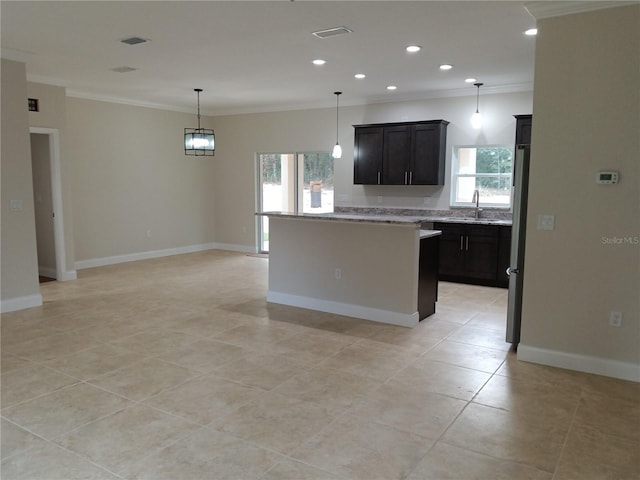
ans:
x=199 y=141
x=337 y=149
x=476 y=118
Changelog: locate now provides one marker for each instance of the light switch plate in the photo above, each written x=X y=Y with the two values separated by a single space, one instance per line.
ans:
x=546 y=222
x=15 y=205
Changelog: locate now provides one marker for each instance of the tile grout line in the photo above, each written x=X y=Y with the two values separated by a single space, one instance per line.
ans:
x=569 y=430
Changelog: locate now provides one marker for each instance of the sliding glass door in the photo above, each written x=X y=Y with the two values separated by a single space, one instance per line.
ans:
x=293 y=182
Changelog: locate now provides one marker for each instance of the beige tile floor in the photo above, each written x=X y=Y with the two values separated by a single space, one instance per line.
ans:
x=177 y=368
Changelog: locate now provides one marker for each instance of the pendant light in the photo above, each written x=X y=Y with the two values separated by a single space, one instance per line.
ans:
x=199 y=141
x=337 y=149
x=476 y=118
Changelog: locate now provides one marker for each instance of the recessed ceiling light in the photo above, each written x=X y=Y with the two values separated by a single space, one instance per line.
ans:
x=360 y=75
x=470 y=80
x=392 y=87
x=446 y=66
x=414 y=48
x=531 y=32
x=319 y=61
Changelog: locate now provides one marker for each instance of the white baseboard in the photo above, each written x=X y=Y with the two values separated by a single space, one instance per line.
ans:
x=580 y=363
x=47 y=272
x=68 y=275
x=51 y=273
x=132 y=257
x=20 y=303
x=235 y=248
x=349 y=310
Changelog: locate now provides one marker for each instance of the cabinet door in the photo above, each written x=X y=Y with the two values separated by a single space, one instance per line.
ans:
x=367 y=158
x=427 y=163
x=395 y=160
x=452 y=253
x=428 y=276
x=481 y=252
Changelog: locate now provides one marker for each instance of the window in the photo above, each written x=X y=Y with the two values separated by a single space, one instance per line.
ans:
x=487 y=169
x=288 y=182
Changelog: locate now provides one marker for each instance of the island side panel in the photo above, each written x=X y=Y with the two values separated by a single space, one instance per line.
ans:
x=378 y=268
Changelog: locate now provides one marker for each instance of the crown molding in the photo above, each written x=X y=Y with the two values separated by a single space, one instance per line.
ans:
x=546 y=9
x=126 y=101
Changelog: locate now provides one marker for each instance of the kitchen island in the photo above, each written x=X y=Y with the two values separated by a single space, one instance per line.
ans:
x=376 y=267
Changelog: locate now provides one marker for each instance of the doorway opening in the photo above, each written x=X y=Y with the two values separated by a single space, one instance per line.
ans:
x=293 y=182
x=47 y=191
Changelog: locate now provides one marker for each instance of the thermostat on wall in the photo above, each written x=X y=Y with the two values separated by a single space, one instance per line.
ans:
x=607 y=178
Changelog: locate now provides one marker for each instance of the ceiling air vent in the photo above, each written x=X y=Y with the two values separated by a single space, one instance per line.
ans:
x=133 y=40
x=332 y=32
x=123 y=69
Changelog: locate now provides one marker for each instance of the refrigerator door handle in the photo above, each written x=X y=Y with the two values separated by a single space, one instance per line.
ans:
x=510 y=270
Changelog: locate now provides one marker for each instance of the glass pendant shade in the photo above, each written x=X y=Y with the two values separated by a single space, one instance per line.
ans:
x=337 y=151
x=476 y=118
x=199 y=141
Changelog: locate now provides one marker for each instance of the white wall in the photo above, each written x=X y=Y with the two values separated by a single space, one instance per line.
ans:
x=586 y=119
x=134 y=189
x=378 y=283
x=19 y=257
x=240 y=137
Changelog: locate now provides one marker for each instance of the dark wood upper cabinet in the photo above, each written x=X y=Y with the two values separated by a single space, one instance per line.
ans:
x=408 y=153
x=428 y=147
x=368 y=150
x=523 y=129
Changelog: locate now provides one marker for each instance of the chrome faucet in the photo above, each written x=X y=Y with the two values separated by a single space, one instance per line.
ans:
x=476 y=199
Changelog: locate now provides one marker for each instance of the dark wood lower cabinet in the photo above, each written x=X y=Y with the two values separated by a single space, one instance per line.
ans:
x=428 y=276
x=472 y=253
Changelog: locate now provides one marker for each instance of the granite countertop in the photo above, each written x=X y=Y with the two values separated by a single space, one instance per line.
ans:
x=429 y=233
x=389 y=218
x=351 y=217
x=473 y=221
x=458 y=215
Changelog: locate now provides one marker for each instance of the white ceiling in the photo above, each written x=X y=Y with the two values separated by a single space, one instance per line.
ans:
x=256 y=56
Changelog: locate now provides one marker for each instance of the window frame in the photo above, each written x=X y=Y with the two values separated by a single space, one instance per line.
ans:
x=455 y=176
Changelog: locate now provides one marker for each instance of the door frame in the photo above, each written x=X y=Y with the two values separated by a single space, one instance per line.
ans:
x=56 y=197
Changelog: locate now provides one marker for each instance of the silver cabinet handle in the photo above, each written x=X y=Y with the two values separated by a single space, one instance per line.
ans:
x=405 y=178
x=378 y=178
x=410 y=178
x=467 y=243
x=461 y=242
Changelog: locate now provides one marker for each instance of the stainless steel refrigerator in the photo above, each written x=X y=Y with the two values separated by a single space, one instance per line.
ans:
x=518 y=234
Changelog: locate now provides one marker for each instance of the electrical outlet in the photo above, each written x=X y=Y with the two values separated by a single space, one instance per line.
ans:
x=615 y=319
x=338 y=273
x=427 y=200
x=379 y=199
